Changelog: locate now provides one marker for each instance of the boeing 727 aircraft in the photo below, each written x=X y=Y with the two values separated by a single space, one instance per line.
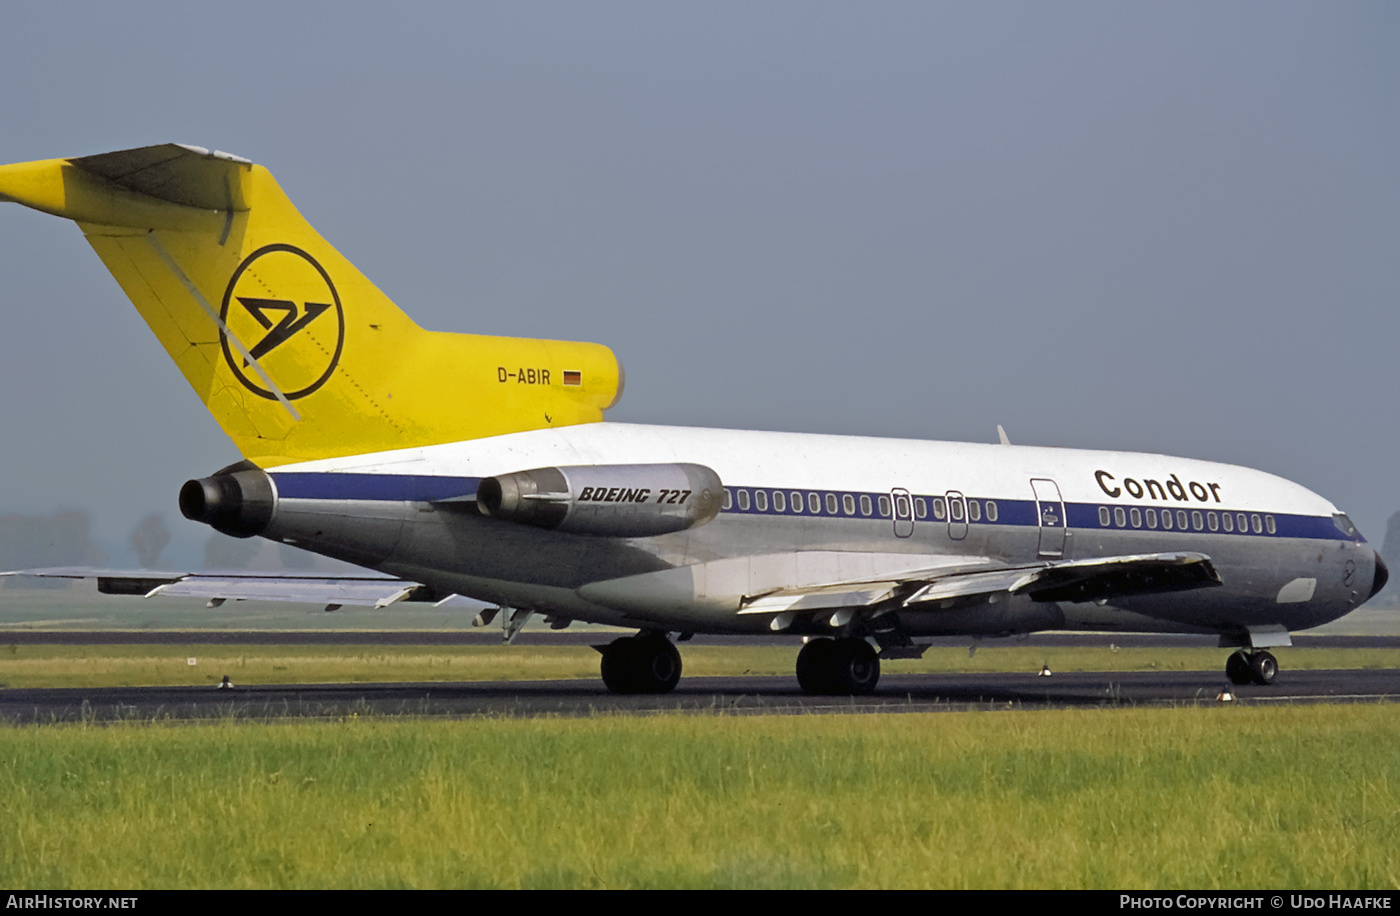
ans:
x=456 y=464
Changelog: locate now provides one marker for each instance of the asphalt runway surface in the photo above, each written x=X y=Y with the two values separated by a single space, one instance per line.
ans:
x=730 y=695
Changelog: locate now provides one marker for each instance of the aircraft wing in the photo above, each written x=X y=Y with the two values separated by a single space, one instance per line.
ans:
x=1096 y=579
x=368 y=590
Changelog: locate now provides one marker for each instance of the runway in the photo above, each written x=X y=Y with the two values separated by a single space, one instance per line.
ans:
x=733 y=696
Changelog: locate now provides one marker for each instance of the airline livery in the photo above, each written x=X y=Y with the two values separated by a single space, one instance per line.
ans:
x=458 y=464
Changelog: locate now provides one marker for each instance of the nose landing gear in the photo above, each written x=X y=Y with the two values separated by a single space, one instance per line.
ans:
x=1251 y=668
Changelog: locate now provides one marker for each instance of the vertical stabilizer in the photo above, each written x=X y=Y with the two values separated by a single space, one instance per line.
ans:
x=295 y=353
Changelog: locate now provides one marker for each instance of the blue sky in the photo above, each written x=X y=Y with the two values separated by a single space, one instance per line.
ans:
x=1155 y=227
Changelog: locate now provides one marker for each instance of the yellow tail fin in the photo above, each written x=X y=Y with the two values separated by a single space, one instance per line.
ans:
x=293 y=351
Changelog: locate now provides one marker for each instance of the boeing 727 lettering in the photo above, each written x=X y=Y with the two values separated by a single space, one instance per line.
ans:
x=456 y=464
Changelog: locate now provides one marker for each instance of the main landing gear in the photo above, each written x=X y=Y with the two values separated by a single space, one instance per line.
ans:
x=838 y=667
x=1251 y=668
x=645 y=663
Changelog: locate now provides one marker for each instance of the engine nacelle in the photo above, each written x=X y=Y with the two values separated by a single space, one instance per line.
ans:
x=237 y=501
x=608 y=500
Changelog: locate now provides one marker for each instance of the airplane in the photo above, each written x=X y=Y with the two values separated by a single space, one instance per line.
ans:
x=453 y=465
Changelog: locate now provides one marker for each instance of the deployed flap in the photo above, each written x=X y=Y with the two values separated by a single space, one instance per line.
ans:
x=857 y=593
x=816 y=599
x=968 y=577
x=1120 y=577
x=1096 y=579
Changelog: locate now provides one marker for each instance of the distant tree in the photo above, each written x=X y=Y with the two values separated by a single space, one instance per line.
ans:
x=148 y=540
x=62 y=539
x=224 y=552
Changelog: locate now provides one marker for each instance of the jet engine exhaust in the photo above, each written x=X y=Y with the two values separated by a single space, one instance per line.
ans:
x=236 y=501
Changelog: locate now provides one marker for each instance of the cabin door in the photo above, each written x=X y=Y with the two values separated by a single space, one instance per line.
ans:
x=1050 y=509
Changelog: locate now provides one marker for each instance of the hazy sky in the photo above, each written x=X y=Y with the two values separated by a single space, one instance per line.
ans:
x=1157 y=227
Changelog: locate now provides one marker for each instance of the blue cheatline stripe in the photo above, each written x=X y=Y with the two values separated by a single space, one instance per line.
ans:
x=385 y=487
x=1010 y=512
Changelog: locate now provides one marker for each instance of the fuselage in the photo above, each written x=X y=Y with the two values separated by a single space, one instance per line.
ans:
x=805 y=510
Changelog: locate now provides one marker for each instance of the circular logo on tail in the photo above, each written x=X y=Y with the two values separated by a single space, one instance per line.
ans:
x=287 y=327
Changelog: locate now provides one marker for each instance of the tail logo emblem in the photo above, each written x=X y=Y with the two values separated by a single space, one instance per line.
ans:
x=285 y=312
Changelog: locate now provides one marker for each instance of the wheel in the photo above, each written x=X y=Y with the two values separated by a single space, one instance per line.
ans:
x=657 y=664
x=814 y=666
x=1238 y=669
x=618 y=665
x=855 y=667
x=641 y=664
x=838 y=667
x=1264 y=667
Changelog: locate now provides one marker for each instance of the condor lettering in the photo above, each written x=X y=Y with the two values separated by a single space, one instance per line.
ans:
x=1170 y=489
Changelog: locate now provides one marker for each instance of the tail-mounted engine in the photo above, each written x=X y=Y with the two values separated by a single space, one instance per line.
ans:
x=608 y=500
x=236 y=501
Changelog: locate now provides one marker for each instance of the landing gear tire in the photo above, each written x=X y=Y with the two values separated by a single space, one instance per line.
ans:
x=838 y=667
x=1251 y=668
x=1238 y=670
x=814 y=666
x=1264 y=667
x=646 y=663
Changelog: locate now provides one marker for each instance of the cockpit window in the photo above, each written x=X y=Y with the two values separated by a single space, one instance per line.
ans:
x=1345 y=526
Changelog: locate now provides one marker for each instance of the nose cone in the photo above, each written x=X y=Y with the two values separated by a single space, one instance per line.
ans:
x=1382 y=576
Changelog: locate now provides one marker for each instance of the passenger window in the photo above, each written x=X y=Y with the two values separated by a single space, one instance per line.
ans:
x=940 y=509
x=974 y=510
x=1242 y=522
x=991 y=511
x=848 y=504
x=1135 y=516
x=884 y=507
x=744 y=500
x=728 y=499
x=1120 y=518
x=796 y=501
x=1228 y=521
x=831 y=504
x=1258 y=524
x=1197 y=521
x=760 y=500
x=955 y=507
x=864 y=504
x=1166 y=520
x=1269 y=525
x=902 y=507
x=1152 y=518
x=780 y=502
x=1103 y=516
x=1181 y=519
x=1212 y=521
x=814 y=503
x=921 y=507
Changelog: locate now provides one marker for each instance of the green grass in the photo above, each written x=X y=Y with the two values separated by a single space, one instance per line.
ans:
x=165 y=665
x=1213 y=797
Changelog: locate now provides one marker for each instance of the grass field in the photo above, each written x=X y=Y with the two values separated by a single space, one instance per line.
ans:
x=167 y=665
x=1305 y=797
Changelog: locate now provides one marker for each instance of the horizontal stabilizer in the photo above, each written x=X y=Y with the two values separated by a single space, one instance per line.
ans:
x=368 y=590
